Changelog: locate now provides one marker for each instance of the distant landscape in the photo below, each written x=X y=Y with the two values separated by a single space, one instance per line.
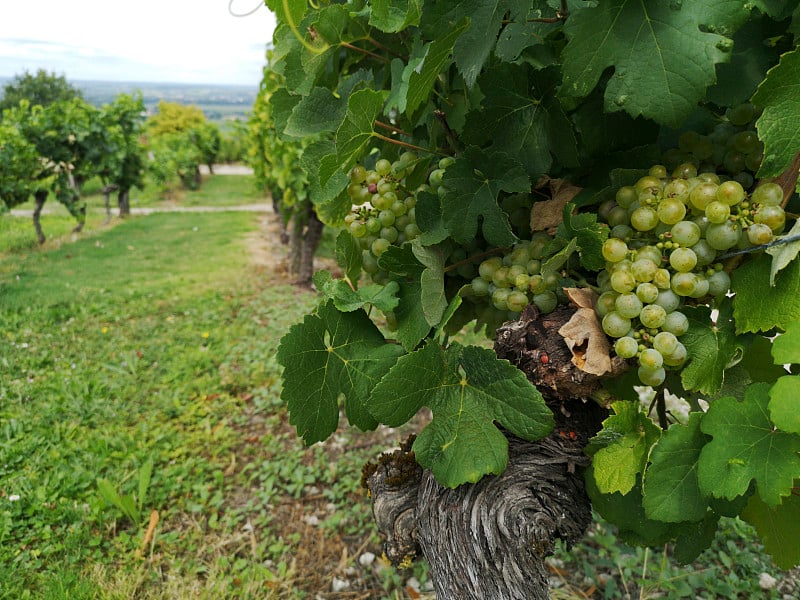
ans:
x=219 y=103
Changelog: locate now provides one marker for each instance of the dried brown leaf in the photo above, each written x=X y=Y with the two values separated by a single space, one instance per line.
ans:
x=584 y=336
x=546 y=215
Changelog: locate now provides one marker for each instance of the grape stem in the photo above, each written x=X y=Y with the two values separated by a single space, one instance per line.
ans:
x=661 y=408
x=451 y=135
x=407 y=145
x=364 y=51
x=391 y=128
x=788 y=179
x=473 y=258
x=778 y=242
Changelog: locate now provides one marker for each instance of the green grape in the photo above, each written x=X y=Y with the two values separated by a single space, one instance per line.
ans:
x=622 y=281
x=411 y=231
x=709 y=177
x=671 y=211
x=652 y=316
x=647 y=183
x=734 y=161
x=401 y=222
x=500 y=278
x=685 y=170
x=746 y=142
x=662 y=279
x=678 y=189
x=626 y=195
x=652 y=377
x=686 y=233
x=744 y=178
x=386 y=187
x=380 y=245
x=480 y=287
x=730 y=192
x=616 y=325
x=605 y=208
x=705 y=254
x=676 y=323
x=717 y=212
x=534 y=266
x=622 y=232
x=644 y=218
x=753 y=163
x=658 y=171
x=515 y=270
x=741 y=114
x=702 y=194
x=684 y=284
x=381 y=201
x=647 y=292
x=668 y=300
x=772 y=216
x=614 y=250
x=537 y=284
x=372 y=179
x=383 y=167
x=521 y=281
x=759 y=233
x=443 y=162
x=719 y=283
x=373 y=225
x=606 y=302
x=398 y=207
x=358 y=229
x=618 y=216
x=500 y=298
x=389 y=233
x=488 y=267
x=410 y=202
x=677 y=357
x=626 y=347
x=358 y=174
x=644 y=269
x=546 y=301
x=517 y=301
x=435 y=178
x=683 y=260
x=651 y=359
x=665 y=342
x=628 y=305
x=722 y=236
x=649 y=252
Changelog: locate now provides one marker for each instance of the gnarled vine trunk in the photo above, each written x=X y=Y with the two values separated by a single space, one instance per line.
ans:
x=39 y=198
x=490 y=539
x=124 y=202
x=305 y=235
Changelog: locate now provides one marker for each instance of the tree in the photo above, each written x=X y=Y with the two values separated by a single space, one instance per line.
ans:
x=588 y=184
x=18 y=160
x=41 y=89
x=277 y=166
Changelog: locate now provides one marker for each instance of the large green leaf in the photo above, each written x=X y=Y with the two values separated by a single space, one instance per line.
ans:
x=778 y=527
x=347 y=299
x=783 y=254
x=392 y=16
x=786 y=347
x=621 y=449
x=784 y=405
x=663 y=53
x=746 y=447
x=319 y=112
x=468 y=390
x=779 y=94
x=406 y=269
x=522 y=116
x=473 y=185
x=357 y=129
x=758 y=306
x=670 y=488
x=711 y=346
x=332 y=355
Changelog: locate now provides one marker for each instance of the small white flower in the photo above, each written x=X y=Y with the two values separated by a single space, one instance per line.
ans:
x=13 y=498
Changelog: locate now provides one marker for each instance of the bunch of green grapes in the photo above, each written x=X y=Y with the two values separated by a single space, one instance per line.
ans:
x=514 y=279
x=732 y=148
x=384 y=209
x=667 y=235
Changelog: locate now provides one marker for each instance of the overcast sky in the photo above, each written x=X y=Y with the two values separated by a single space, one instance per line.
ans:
x=182 y=41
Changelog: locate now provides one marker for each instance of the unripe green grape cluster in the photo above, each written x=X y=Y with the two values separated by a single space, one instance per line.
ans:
x=732 y=148
x=667 y=235
x=384 y=209
x=514 y=279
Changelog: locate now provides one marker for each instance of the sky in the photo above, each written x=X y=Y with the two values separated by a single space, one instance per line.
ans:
x=179 y=41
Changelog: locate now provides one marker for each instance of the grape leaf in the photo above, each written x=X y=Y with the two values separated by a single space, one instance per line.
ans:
x=747 y=447
x=779 y=94
x=522 y=116
x=392 y=16
x=589 y=235
x=758 y=360
x=670 y=488
x=346 y=299
x=784 y=404
x=327 y=183
x=329 y=355
x=710 y=348
x=356 y=131
x=412 y=324
x=432 y=295
x=757 y=306
x=348 y=256
x=627 y=513
x=436 y=57
x=783 y=254
x=778 y=527
x=319 y=112
x=695 y=538
x=429 y=219
x=663 y=53
x=472 y=186
x=468 y=389
x=620 y=450
x=786 y=347
x=515 y=37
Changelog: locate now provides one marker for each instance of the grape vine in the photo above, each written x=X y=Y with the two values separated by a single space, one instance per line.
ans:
x=484 y=165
